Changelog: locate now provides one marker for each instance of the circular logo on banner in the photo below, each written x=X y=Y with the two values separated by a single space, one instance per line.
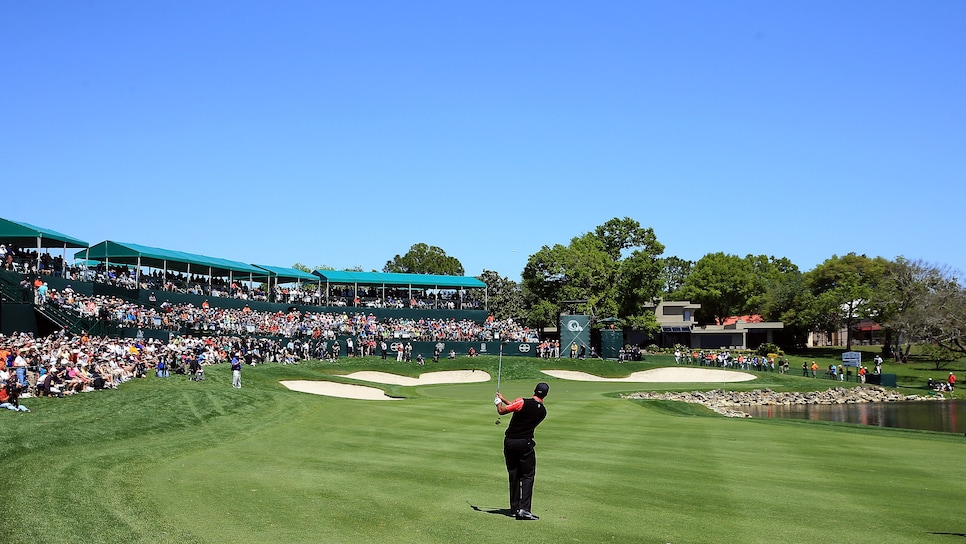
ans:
x=524 y=348
x=395 y=346
x=574 y=326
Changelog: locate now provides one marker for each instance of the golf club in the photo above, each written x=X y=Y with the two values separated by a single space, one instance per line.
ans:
x=499 y=374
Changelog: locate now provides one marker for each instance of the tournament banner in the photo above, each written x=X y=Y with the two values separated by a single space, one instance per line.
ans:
x=574 y=329
x=611 y=343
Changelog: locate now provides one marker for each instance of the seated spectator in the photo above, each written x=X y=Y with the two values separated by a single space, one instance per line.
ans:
x=52 y=382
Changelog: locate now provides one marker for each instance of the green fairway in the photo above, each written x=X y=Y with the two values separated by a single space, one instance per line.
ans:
x=180 y=461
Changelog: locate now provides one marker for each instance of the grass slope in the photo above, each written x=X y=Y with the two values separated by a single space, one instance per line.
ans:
x=178 y=461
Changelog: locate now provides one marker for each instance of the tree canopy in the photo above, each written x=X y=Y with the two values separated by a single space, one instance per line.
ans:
x=505 y=296
x=843 y=288
x=615 y=269
x=921 y=302
x=425 y=259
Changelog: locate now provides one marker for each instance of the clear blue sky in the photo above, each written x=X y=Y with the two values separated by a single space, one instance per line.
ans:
x=342 y=133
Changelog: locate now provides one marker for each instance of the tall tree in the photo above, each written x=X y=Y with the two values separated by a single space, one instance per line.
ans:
x=618 y=235
x=785 y=299
x=616 y=269
x=640 y=280
x=722 y=284
x=843 y=288
x=504 y=296
x=918 y=301
x=948 y=327
x=425 y=259
x=676 y=272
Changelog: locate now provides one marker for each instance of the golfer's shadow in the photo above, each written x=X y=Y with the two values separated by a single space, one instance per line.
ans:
x=499 y=511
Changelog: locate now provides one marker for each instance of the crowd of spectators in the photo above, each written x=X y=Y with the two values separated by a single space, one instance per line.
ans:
x=61 y=364
x=725 y=359
x=26 y=261
x=210 y=319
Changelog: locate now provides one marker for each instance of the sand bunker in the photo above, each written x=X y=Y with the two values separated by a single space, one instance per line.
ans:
x=429 y=378
x=670 y=374
x=341 y=390
x=362 y=392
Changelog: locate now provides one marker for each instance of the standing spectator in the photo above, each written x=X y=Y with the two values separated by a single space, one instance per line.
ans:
x=236 y=372
x=20 y=368
x=42 y=295
x=951 y=381
x=37 y=283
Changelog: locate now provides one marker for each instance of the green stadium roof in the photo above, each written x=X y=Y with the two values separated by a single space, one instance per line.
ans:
x=27 y=235
x=136 y=254
x=285 y=275
x=346 y=277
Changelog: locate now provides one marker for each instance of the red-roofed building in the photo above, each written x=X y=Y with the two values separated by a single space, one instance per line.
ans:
x=678 y=326
x=746 y=318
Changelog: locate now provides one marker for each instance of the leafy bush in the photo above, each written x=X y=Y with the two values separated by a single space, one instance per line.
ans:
x=768 y=348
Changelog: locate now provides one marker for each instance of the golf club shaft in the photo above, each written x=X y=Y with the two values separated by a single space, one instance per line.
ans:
x=499 y=372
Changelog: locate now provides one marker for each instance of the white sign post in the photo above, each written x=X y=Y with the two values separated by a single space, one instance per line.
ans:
x=852 y=358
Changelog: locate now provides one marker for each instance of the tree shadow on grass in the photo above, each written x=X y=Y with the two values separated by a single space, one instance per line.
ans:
x=487 y=510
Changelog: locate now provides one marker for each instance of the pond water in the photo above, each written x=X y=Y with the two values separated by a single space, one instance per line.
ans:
x=944 y=416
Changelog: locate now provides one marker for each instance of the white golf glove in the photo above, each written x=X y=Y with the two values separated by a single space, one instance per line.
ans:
x=497 y=401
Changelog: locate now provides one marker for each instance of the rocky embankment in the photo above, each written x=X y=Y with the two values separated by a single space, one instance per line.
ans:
x=729 y=403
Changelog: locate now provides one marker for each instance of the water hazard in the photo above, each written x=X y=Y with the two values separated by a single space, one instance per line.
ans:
x=943 y=416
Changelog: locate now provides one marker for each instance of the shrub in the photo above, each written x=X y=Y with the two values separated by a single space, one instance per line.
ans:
x=767 y=349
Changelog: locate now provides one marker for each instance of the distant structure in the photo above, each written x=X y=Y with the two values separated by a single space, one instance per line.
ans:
x=678 y=326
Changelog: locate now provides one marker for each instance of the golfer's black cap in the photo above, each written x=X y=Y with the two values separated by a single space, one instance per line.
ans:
x=541 y=390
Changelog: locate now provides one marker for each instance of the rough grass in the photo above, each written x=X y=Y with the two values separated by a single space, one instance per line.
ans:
x=179 y=461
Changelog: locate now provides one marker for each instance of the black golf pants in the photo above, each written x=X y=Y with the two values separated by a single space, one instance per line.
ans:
x=521 y=467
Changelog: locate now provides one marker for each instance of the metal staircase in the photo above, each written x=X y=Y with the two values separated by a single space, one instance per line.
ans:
x=10 y=287
x=65 y=319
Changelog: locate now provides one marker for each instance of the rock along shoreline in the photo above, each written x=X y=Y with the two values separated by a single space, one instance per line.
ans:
x=729 y=403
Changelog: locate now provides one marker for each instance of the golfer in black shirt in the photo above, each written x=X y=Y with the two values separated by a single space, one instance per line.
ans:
x=521 y=460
